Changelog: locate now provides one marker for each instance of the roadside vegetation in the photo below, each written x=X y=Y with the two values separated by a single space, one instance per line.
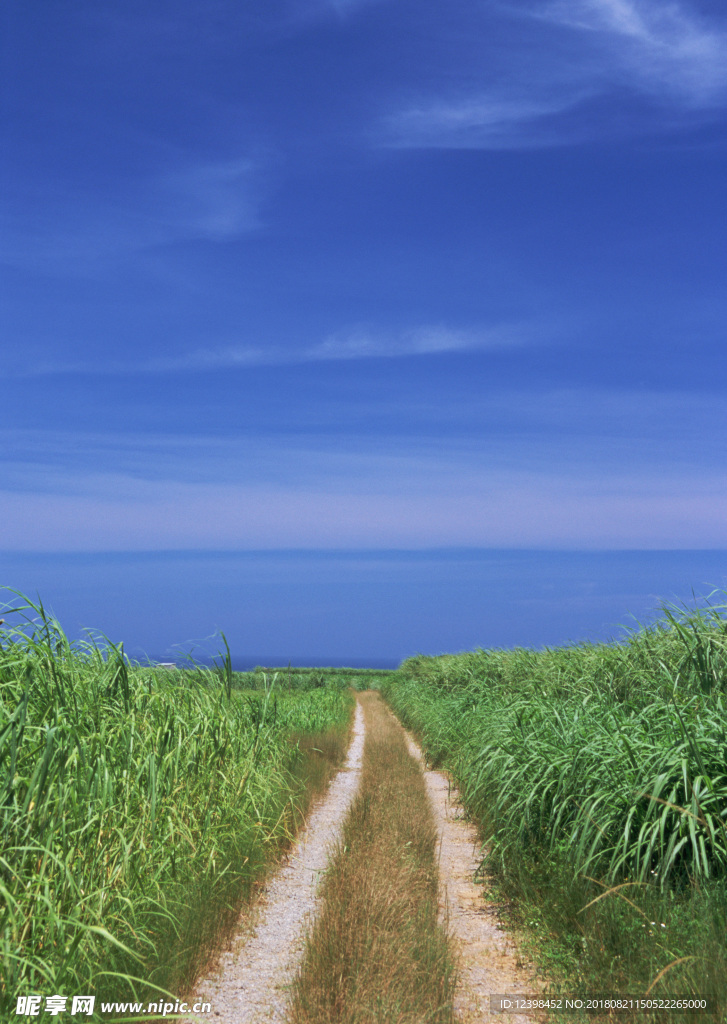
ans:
x=597 y=775
x=139 y=807
x=292 y=678
x=377 y=954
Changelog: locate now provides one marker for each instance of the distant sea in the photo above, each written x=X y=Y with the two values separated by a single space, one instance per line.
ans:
x=247 y=664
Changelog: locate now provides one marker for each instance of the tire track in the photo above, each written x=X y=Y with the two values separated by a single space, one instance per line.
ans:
x=487 y=958
x=253 y=979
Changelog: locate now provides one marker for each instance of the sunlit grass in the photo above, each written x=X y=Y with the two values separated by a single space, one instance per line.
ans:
x=598 y=777
x=138 y=807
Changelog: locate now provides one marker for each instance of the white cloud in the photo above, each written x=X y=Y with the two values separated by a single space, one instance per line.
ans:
x=481 y=122
x=663 y=46
x=588 y=469
x=509 y=509
x=584 y=51
x=206 y=359
x=345 y=7
x=358 y=343
x=73 y=228
x=213 y=200
x=363 y=344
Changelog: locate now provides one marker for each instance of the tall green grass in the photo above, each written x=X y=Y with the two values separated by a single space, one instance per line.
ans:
x=137 y=809
x=296 y=679
x=598 y=777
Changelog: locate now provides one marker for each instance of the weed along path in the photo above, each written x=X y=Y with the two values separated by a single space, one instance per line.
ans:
x=252 y=983
x=487 y=963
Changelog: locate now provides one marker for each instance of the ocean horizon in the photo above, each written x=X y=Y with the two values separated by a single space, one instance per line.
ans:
x=245 y=663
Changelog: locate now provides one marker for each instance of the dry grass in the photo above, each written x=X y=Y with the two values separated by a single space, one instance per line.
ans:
x=377 y=952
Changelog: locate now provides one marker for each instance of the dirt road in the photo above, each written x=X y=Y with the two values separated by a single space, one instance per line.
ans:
x=253 y=979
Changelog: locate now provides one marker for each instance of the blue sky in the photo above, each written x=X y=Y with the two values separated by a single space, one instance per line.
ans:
x=364 y=277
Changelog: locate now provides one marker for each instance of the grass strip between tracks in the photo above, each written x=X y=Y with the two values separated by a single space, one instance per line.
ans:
x=377 y=951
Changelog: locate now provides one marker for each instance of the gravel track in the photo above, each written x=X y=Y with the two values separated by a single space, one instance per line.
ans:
x=253 y=980
x=487 y=958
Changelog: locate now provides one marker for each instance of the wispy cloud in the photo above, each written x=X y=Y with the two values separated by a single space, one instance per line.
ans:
x=591 y=482
x=304 y=11
x=345 y=7
x=664 y=47
x=357 y=343
x=553 y=88
x=590 y=429
x=482 y=122
x=74 y=228
x=213 y=200
x=365 y=344
x=417 y=503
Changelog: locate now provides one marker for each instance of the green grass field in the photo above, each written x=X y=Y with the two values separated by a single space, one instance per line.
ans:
x=138 y=808
x=598 y=777
x=140 y=805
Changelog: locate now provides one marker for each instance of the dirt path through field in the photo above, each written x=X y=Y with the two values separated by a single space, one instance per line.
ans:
x=488 y=962
x=377 y=952
x=253 y=980
x=251 y=986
